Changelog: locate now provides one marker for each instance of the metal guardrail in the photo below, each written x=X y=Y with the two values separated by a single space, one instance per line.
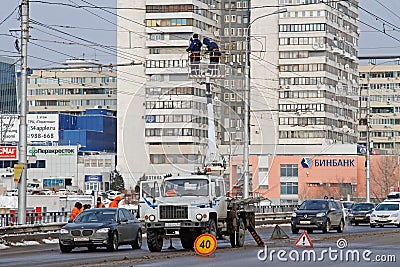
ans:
x=29 y=229
x=273 y=218
x=275 y=208
x=33 y=218
x=53 y=221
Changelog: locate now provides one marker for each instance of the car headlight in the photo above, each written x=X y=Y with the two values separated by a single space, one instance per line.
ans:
x=351 y=215
x=373 y=215
x=199 y=216
x=321 y=214
x=103 y=230
x=64 y=231
x=152 y=218
x=394 y=215
x=294 y=214
x=367 y=215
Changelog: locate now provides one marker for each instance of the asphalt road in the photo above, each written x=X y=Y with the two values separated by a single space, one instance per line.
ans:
x=49 y=255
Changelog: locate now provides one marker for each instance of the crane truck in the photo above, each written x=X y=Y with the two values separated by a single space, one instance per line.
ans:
x=186 y=206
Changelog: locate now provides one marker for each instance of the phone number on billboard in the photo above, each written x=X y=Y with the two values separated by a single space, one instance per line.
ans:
x=41 y=135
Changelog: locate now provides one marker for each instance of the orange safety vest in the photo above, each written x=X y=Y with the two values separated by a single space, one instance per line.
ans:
x=75 y=212
x=101 y=205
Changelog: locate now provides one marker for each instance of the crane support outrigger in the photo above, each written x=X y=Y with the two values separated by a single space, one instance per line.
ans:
x=186 y=206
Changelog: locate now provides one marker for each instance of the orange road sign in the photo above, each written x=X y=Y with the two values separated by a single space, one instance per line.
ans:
x=303 y=241
x=205 y=244
x=17 y=172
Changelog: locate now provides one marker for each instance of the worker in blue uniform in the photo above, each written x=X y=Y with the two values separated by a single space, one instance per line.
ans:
x=215 y=55
x=194 y=50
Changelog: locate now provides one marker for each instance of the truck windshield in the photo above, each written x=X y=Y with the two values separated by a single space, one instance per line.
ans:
x=182 y=187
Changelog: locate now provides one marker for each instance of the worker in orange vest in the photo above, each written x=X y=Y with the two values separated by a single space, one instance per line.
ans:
x=99 y=204
x=115 y=202
x=76 y=210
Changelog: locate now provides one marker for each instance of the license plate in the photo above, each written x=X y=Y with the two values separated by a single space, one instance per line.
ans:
x=305 y=222
x=81 y=239
x=359 y=218
x=382 y=219
x=172 y=224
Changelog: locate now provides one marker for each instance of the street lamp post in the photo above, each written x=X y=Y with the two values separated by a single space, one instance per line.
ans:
x=247 y=104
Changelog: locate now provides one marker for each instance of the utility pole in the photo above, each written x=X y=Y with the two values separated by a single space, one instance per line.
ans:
x=24 y=7
x=247 y=104
x=368 y=145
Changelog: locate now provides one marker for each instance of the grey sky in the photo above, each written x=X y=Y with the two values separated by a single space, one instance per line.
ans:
x=93 y=27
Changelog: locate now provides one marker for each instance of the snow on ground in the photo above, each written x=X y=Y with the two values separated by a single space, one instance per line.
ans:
x=24 y=243
x=2 y=246
x=18 y=244
x=50 y=241
x=9 y=202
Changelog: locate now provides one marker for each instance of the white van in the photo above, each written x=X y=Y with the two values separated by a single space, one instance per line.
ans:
x=386 y=213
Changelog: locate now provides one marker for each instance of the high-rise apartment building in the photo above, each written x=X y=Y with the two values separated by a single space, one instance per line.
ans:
x=82 y=84
x=162 y=115
x=384 y=84
x=234 y=22
x=303 y=69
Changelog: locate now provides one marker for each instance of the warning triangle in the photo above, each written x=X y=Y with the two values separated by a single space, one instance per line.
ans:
x=278 y=233
x=303 y=241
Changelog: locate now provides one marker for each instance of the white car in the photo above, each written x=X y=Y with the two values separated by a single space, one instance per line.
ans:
x=46 y=192
x=63 y=192
x=12 y=192
x=386 y=213
x=112 y=194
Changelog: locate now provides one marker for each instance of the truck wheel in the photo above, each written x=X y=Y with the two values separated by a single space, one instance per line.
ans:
x=154 y=240
x=212 y=227
x=239 y=234
x=187 y=238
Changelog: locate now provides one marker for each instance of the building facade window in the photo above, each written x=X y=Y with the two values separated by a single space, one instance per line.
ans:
x=289 y=188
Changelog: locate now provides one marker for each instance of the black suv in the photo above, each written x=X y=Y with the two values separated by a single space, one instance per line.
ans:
x=318 y=214
x=361 y=212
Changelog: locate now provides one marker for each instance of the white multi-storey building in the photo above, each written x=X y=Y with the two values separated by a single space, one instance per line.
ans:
x=82 y=84
x=162 y=117
x=303 y=73
x=384 y=84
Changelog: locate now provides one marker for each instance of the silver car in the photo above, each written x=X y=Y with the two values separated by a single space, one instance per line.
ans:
x=106 y=227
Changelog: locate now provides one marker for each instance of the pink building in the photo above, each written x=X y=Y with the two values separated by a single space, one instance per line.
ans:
x=291 y=179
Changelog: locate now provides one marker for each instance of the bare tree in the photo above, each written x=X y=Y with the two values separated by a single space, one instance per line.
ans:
x=384 y=176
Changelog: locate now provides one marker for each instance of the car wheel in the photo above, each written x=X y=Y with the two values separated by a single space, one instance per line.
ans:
x=92 y=248
x=356 y=224
x=381 y=225
x=113 y=242
x=372 y=225
x=295 y=230
x=65 y=249
x=327 y=227
x=398 y=225
x=340 y=227
x=137 y=243
x=310 y=231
